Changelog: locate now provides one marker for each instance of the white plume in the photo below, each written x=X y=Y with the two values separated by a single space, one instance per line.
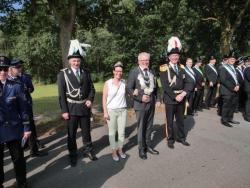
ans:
x=174 y=42
x=75 y=46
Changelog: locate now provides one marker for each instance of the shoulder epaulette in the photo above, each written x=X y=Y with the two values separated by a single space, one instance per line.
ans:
x=182 y=66
x=64 y=69
x=163 y=68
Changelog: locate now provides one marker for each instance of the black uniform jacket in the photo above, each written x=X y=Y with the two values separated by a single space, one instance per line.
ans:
x=199 y=79
x=182 y=83
x=210 y=74
x=247 y=79
x=86 y=92
x=227 y=82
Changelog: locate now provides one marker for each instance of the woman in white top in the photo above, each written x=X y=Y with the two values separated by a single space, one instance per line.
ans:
x=115 y=112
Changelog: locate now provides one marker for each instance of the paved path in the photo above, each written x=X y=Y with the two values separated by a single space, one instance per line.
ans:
x=219 y=157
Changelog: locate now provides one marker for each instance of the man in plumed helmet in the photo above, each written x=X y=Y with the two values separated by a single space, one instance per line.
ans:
x=229 y=89
x=175 y=88
x=76 y=95
x=247 y=88
x=14 y=123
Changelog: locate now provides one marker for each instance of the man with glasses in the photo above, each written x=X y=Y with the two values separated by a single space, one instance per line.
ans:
x=143 y=88
x=14 y=123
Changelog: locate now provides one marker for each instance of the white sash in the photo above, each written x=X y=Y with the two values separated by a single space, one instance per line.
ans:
x=232 y=74
x=241 y=73
x=199 y=70
x=190 y=73
x=212 y=67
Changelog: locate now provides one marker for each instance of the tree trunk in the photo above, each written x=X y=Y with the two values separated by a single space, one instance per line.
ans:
x=65 y=14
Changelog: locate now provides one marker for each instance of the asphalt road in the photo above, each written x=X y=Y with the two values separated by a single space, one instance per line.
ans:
x=219 y=157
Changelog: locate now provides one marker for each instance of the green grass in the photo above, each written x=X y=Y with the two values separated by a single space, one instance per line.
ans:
x=45 y=99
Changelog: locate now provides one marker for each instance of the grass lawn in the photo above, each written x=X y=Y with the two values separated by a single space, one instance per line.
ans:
x=45 y=98
x=46 y=107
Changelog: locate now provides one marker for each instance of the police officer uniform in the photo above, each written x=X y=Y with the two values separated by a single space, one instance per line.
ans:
x=26 y=81
x=75 y=88
x=228 y=82
x=13 y=123
x=211 y=75
x=174 y=82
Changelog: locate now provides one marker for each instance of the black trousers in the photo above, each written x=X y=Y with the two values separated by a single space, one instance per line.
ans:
x=33 y=137
x=210 y=97
x=17 y=156
x=145 y=118
x=72 y=124
x=198 y=99
x=247 y=107
x=229 y=103
x=177 y=111
x=190 y=99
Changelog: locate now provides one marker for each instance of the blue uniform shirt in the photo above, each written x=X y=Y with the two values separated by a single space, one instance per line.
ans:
x=14 y=120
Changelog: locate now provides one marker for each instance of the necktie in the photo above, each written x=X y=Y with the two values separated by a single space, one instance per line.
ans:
x=175 y=69
x=78 y=75
x=146 y=77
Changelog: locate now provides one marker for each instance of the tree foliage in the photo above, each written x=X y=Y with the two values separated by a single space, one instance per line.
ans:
x=38 y=31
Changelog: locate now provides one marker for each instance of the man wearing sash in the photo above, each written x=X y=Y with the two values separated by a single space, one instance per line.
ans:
x=143 y=88
x=229 y=88
x=247 y=88
x=76 y=95
x=240 y=76
x=199 y=87
x=211 y=75
x=175 y=88
x=192 y=81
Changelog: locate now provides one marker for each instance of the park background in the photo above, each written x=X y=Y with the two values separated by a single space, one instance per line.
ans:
x=38 y=32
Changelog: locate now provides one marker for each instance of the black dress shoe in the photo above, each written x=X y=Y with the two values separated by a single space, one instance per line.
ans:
x=91 y=156
x=171 y=145
x=226 y=124
x=152 y=151
x=183 y=142
x=142 y=154
x=234 y=122
x=38 y=153
x=73 y=161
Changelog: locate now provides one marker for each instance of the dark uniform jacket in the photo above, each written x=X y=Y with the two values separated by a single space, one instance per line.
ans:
x=211 y=75
x=14 y=118
x=199 y=79
x=240 y=77
x=182 y=83
x=247 y=79
x=190 y=81
x=26 y=81
x=227 y=82
x=134 y=83
x=80 y=92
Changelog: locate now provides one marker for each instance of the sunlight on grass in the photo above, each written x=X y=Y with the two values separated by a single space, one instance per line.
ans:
x=45 y=99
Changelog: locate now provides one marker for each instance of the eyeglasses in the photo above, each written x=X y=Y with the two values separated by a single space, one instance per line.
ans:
x=5 y=69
